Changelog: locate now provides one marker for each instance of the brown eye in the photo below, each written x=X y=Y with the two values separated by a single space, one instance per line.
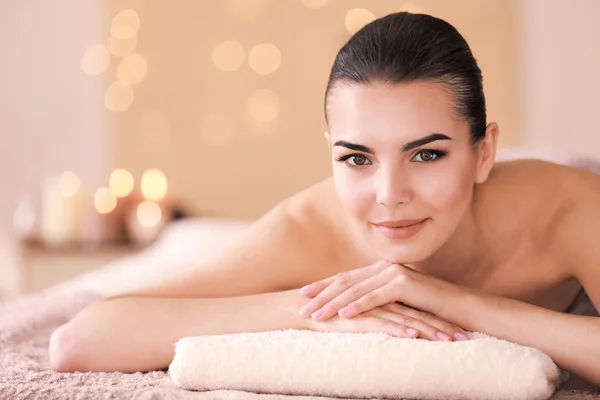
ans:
x=359 y=160
x=427 y=155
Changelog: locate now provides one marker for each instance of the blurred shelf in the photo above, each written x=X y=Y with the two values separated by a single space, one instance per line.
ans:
x=41 y=266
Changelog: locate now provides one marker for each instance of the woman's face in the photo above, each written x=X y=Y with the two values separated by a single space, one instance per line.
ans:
x=403 y=165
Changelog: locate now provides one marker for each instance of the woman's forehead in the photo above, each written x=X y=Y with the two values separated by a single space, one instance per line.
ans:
x=411 y=110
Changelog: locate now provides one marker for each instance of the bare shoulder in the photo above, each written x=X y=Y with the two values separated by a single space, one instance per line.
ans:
x=317 y=214
x=560 y=203
x=573 y=233
x=537 y=183
x=538 y=197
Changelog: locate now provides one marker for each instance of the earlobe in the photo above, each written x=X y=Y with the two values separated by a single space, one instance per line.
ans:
x=487 y=152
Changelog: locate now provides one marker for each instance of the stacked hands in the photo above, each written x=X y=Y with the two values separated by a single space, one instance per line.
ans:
x=376 y=298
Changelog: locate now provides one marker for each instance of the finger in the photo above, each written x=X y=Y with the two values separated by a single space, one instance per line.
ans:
x=341 y=282
x=381 y=296
x=348 y=296
x=383 y=325
x=406 y=322
x=316 y=287
x=444 y=329
x=424 y=330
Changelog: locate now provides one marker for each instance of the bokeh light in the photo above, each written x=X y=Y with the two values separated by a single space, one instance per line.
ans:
x=69 y=184
x=263 y=105
x=132 y=69
x=125 y=24
x=357 y=18
x=121 y=47
x=149 y=214
x=229 y=56
x=104 y=201
x=95 y=60
x=154 y=185
x=121 y=183
x=264 y=58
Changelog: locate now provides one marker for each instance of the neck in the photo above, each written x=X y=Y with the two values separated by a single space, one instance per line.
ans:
x=465 y=256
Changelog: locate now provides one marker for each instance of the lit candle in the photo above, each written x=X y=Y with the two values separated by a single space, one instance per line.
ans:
x=61 y=209
x=149 y=214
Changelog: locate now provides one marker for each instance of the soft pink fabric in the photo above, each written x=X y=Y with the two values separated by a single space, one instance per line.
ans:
x=25 y=327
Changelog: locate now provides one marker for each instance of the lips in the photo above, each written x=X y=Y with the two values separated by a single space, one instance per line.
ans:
x=400 y=229
x=403 y=223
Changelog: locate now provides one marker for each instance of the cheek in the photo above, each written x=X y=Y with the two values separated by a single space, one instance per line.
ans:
x=354 y=193
x=446 y=189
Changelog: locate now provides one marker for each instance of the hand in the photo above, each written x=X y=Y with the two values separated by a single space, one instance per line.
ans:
x=354 y=292
x=393 y=319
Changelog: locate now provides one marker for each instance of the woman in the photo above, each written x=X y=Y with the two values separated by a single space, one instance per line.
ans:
x=417 y=234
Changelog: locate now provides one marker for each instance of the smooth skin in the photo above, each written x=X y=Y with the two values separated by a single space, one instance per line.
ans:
x=504 y=249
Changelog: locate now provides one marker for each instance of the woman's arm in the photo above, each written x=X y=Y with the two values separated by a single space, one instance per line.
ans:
x=136 y=331
x=570 y=340
x=139 y=333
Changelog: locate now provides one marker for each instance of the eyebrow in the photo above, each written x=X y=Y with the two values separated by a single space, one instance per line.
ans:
x=408 y=146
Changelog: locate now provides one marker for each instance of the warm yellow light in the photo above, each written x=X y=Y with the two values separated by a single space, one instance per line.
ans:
x=104 y=201
x=118 y=97
x=121 y=183
x=121 y=47
x=315 y=3
x=132 y=69
x=95 y=60
x=357 y=18
x=246 y=9
x=155 y=127
x=263 y=105
x=148 y=214
x=217 y=129
x=412 y=8
x=125 y=24
x=154 y=185
x=264 y=58
x=229 y=56
x=69 y=184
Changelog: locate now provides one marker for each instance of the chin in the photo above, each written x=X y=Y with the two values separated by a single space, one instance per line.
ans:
x=413 y=255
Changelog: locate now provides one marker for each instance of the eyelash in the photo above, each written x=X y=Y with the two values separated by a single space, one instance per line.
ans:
x=439 y=154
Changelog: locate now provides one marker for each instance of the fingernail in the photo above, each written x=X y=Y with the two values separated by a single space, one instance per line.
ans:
x=443 y=336
x=317 y=314
x=343 y=311
x=304 y=311
x=411 y=331
x=460 y=336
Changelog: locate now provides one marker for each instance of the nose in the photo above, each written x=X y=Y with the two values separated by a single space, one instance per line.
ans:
x=393 y=188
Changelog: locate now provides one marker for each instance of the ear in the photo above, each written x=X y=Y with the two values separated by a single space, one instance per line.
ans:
x=328 y=139
x=486 y=152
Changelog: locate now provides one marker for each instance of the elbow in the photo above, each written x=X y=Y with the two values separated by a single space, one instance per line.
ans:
x=65 y=350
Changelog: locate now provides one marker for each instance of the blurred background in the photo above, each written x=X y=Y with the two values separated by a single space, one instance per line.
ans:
x=117 y=116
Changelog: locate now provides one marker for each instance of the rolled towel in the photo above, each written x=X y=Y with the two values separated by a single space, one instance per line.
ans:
x=369 y=365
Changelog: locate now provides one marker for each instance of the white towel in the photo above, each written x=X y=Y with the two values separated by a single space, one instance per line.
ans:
x=370 y=365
